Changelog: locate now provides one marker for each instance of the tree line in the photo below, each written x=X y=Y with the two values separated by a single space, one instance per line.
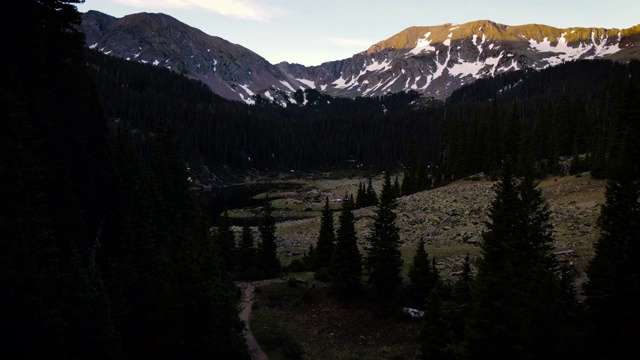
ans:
x=571 y=109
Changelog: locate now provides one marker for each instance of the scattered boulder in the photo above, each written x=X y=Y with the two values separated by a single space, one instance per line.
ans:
x=474 y=240
x=586 y=229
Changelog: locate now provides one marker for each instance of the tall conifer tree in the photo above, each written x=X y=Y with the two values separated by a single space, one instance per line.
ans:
x=613 y=289
x=372 y=197
x=267 y=260
x=326 y=239
x=517 y=283
x=384 y=260
x=421 y=277
x=346 y=264
x=435 y=336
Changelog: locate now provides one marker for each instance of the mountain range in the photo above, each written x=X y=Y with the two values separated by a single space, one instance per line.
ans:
x=431 y=60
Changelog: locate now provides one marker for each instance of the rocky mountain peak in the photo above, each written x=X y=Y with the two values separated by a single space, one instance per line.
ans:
x=435 y=60
x=231 y=70
x=432 y=60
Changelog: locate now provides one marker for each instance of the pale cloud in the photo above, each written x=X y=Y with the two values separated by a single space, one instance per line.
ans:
x=349 y=42
x=258 y=10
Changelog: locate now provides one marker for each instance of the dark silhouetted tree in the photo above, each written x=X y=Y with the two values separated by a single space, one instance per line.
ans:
x=346 y=264
x=384 y=260
x=326 y=239
x=517 y=287
x=435 y=337
x=422 y=279
x=613 y=288
x=267 y=262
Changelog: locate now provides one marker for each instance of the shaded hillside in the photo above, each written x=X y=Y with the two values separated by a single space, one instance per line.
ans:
x=326 y=132
x=548 y=113
x=230 y=70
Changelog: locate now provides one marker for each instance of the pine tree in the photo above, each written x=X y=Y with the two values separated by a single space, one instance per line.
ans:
x=396 y=188
x=366 y=195
x=421 y=277
x=267 y=262
x=326 y=239
x=435 y=337
x=613 y=289
x=197 y=315
x=346 y=264
x=517 y=282
x=572 y=326
x=360 y=196
x=372 y=197
x=461 y=302
x=384 y=260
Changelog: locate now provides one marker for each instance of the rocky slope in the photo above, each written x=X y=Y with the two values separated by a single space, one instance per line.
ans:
x=231 y=70
x=451 y=218
x=432 y=60
x=435 y=60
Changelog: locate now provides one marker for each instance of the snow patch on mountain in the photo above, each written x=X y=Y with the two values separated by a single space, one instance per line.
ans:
x=310 y=84
x=378 y=66
x=285 y=83
x=247 y=90
x=564 y=52
x=424 y=44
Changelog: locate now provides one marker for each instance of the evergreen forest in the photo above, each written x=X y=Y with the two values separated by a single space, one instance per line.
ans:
x=532 y=116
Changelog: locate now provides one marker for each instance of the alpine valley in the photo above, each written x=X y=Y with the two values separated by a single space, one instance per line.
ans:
x=431 y=60
x=464 y=191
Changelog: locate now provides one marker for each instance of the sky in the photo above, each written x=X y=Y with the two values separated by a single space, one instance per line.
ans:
x=311 y=32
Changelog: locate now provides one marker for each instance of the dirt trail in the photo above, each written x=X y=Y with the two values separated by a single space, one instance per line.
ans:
x=246 y=304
